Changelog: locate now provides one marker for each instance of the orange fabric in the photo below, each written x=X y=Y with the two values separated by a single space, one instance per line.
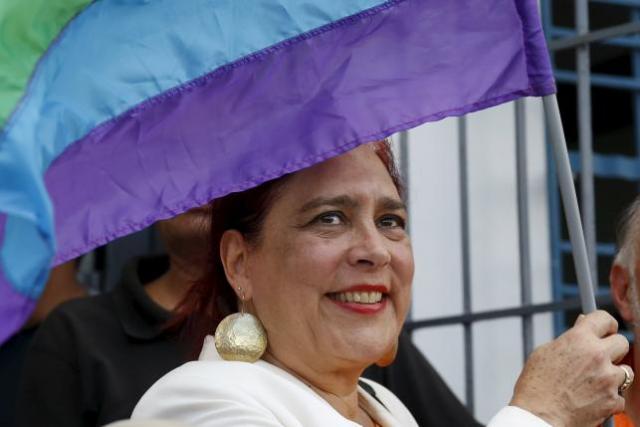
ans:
x=621 y=420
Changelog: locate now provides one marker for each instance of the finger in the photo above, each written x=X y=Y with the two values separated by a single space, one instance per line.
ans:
x=599 y=322
x=627 y=376
x=619 y=405
x=617 y=346
x=579 y=319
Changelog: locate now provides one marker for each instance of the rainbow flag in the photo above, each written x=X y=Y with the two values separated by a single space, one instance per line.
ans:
x=119 y=113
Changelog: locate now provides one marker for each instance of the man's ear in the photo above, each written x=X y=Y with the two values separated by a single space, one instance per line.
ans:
x=234 y=253
x=620 y=291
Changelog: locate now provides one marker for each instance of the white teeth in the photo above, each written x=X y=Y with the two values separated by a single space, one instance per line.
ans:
x=375 y=297
x=359 y=297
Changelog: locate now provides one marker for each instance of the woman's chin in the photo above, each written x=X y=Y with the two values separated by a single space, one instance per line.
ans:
x=366 y=348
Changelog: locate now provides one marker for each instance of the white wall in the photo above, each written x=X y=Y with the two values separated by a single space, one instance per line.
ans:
x=435 y=227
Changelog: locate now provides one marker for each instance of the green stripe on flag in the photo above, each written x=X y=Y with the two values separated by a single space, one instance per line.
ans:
x=27 y=28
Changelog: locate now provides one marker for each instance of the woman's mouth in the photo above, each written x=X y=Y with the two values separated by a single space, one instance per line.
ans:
x=373 y=297
x=361 y=301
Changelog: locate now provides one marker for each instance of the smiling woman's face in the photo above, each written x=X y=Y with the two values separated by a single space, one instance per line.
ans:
x=330 y=275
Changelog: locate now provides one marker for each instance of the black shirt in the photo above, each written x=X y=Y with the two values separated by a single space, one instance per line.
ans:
x=12 y=354
x=93 y=358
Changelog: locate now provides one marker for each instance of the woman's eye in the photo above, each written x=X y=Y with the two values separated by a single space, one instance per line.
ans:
x=330 y=218
x=392 y=221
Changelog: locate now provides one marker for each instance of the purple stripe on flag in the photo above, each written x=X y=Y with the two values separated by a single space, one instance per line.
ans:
x=290 y=106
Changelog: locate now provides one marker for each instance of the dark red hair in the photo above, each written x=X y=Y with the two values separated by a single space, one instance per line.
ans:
x=212 y=298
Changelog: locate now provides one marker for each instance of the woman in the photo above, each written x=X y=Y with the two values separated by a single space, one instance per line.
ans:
x=322 y=258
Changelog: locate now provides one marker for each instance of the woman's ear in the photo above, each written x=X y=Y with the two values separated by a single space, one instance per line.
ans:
x=620 y=281
x=234 y=252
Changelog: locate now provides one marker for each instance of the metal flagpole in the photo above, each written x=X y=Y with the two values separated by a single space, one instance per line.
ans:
x=585 y=138
x=570 y=202
x=523 y=225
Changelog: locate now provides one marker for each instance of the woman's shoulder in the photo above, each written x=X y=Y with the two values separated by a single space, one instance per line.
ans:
x=203 y=370
x=202 y=391
x=212 y=377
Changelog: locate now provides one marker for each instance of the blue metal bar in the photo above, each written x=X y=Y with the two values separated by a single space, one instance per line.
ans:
x=547 y=20
x=555 y=227
x=610 y=166
x=627 y=3
x=562 y=32
x=606 y=249
x=635 y=14
x=604 y=80
x=554 y=202
x=585 y=136
x=571 y=289
x=597 y=36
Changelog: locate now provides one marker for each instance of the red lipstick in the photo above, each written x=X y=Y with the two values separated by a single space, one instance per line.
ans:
x=363 y=308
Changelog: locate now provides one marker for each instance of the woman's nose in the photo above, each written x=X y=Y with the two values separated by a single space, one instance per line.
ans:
x=369 y=248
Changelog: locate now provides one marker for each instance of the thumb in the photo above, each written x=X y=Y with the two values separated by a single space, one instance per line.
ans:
x=579 y=319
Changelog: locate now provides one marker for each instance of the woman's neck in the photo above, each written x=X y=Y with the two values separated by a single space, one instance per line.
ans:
x=339 y=389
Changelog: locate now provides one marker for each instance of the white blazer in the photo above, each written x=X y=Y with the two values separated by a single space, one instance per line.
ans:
x=212 y=392
x=216 y=393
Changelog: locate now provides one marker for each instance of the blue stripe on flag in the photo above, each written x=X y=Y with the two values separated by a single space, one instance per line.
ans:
x=30 y=249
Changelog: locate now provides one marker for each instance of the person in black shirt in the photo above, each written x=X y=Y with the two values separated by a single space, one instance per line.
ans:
x=93 y=358
x=61 y=286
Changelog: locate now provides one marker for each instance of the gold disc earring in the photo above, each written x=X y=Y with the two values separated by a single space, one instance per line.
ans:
x=241 y=336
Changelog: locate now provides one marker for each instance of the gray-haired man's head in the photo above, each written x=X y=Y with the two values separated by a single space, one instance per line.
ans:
x=623 y=277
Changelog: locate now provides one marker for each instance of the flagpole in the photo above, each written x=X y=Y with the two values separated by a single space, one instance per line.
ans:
x=570 y=202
